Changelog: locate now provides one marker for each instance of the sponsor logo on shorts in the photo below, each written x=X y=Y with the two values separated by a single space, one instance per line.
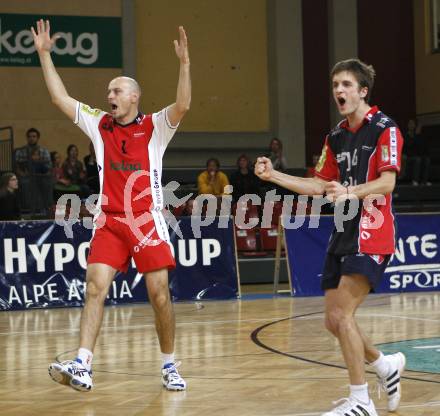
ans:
x=378 y=258
x=146 y=241
x=365 y=235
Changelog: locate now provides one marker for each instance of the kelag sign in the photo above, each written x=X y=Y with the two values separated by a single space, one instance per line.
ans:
x=415 y=265
x=41 y=267
x=84 y=41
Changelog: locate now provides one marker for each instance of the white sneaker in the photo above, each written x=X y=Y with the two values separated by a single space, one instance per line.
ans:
x=72 y=373
x=352 y=407
x=171 y=378
x=391 y=383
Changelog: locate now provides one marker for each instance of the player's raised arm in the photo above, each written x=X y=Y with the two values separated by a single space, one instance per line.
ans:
x=43 y=44
x=183 y=99
x=303 y=186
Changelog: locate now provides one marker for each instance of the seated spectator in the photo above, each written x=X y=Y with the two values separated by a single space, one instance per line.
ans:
x=61 y=185
x=32 y=166
x=9 y=204
x=212 y=180
x=416 y=160
x=244 y=180
x=92 y=173
x=276 y=156
x=57 y=170
x=73 y=171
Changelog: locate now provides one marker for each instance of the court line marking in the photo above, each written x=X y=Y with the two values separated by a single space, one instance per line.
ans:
x=377 y=315
x=256 y=341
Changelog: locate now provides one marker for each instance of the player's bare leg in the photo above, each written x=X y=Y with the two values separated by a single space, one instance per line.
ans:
x=389 y=369
x=77 y=373
x=159 y=295
x=371 y=352
x=99 y=277
x=340 y=307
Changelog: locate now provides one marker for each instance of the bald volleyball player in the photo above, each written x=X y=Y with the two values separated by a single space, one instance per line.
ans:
x=129 y=147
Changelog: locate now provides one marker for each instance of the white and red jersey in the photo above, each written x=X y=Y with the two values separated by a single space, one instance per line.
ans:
x=354 y=157
x=125 y=154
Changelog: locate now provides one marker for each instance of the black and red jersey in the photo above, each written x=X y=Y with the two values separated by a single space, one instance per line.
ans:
x=353 y=157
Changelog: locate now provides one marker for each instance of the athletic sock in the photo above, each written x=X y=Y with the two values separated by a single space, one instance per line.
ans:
x=167 y=359
x=381 y=366
x=86 y=358
x=360 y=393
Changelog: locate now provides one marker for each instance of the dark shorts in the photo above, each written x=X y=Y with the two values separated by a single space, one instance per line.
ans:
x=370 y=265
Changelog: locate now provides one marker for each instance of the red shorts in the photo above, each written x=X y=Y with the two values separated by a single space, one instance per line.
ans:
x=116 y=242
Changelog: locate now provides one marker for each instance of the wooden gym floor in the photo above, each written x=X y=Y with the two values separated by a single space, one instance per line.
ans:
x=261 y=356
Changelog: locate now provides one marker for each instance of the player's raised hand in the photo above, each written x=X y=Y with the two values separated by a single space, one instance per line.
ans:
x=181 y=46
x=263 y=168
x=42 y=40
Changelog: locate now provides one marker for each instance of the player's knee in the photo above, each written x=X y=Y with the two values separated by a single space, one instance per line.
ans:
x=335 y=321
x=96 y=290
x=159 y=300
x=329 y=325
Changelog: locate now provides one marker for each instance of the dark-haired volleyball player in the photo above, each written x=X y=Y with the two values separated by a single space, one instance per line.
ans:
x=360 y=159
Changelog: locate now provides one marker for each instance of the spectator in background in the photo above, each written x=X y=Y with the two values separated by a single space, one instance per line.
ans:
x=61 y=185
x=38 y=165
x=212 y=180
x=276 y=156
x=9 y=204
x=415 y=155
x=92 y=173
x=33 y=169
x=57 y=170
x=25 y=155
x=244 y=180
x=73 y=171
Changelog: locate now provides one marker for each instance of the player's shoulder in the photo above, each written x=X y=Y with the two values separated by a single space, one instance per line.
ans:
x=381 y=121
x=337 y=130
x=148 y=117
x=88 y=110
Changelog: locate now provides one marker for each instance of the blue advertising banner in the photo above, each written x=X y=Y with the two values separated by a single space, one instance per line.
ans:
x=40 y=267
x=415 y=266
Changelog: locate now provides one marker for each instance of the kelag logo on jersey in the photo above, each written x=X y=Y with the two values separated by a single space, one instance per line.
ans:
x=83 y=41
x=125 y=166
